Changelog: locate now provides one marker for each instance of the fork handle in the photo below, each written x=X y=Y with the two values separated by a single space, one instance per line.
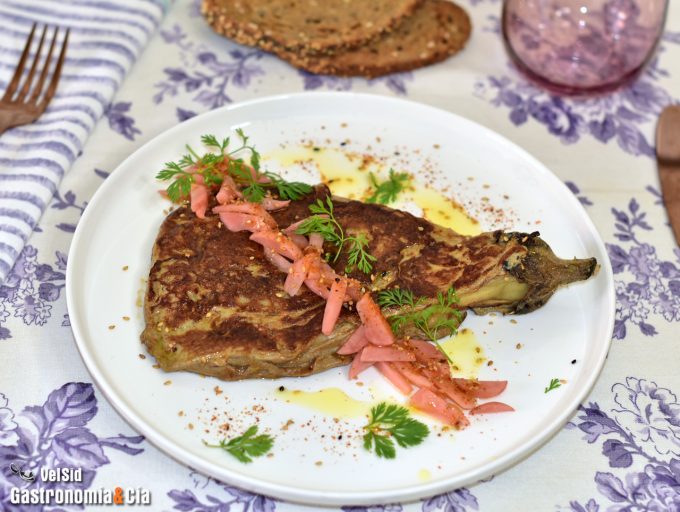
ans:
x=10 y=119
x=4 y=126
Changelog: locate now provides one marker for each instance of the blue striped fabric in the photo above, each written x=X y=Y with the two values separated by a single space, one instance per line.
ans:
x=106 y=38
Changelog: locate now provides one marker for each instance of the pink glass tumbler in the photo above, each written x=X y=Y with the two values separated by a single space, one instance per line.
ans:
x=582 y=46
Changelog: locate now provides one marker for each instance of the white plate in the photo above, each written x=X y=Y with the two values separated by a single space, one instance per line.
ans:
x=119 y=227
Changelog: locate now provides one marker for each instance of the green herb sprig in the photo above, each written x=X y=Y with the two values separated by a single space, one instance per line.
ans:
x=554 y=384
x=389 y=423
x=431 y=320
x=324 y=223
x=247 y=445
x=246 y=174
x=398 y=297
x=387 y=191
x=444 y=313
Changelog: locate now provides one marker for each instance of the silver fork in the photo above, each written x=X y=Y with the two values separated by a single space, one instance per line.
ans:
x=24 y=105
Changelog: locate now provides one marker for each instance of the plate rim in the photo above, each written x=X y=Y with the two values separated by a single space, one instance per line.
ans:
x=308 y=496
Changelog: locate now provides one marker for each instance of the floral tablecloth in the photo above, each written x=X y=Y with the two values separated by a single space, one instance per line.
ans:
x=621 y=449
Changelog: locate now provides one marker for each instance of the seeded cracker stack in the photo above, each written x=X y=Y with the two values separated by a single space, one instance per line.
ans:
x=366 y=38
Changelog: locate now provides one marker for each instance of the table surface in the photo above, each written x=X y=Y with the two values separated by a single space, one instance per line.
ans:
x=620 y=451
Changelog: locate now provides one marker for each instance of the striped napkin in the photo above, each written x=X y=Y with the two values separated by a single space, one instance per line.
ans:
x=106 y=38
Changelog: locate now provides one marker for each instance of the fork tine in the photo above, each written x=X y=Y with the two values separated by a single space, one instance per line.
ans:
x=37 y=90
x=36 y=59
x=12 y=87
x=52 y=87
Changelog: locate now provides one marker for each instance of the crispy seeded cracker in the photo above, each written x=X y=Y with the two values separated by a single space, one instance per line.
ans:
x=437 y=30
x=308 y=26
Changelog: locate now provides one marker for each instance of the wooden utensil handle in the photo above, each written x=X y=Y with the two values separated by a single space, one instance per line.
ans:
x=17 y=115
x=669 y=176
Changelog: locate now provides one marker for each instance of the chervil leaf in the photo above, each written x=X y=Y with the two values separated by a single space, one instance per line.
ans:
x=392 y=421
x=210 y=140
x=409 y=432
x=254 y=193
x=211 y=166
x=170 y=170
x=187 y=160
x=449 y=299
x=181 y=185
x=358 y=254
x=292 y=190
x=554 y=384
x=325 y=226
x=442 y=315
x=255 y=160
x=389 y=413
x=384 y=447
x=247 y=445
x=434 y=321
x=212 y=178
x=324 y=223
x=387 y=191
x=179 y=188
x=396 y=297
x=321 y=208
x=242 y=136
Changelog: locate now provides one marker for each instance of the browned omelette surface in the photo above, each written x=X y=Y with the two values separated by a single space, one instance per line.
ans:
x=216 y=306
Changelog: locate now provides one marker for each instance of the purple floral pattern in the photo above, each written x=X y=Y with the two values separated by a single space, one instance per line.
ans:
x=55 y=435
x=639 y=436
x=30 y=288
x=651 y=416
x=656 y=285
x=460 y=500
x=218 y=497
x=574 y=189
x=69 y=202
x=8 y=435
x=618 y=117
x=644 y=425
x=195 y=8
x=120 y=121
x=373 y=508
x=102 y=174
x=493 y=24
x=184 y=114
x=395 y=82
x=205 y=77
x=63 y=203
